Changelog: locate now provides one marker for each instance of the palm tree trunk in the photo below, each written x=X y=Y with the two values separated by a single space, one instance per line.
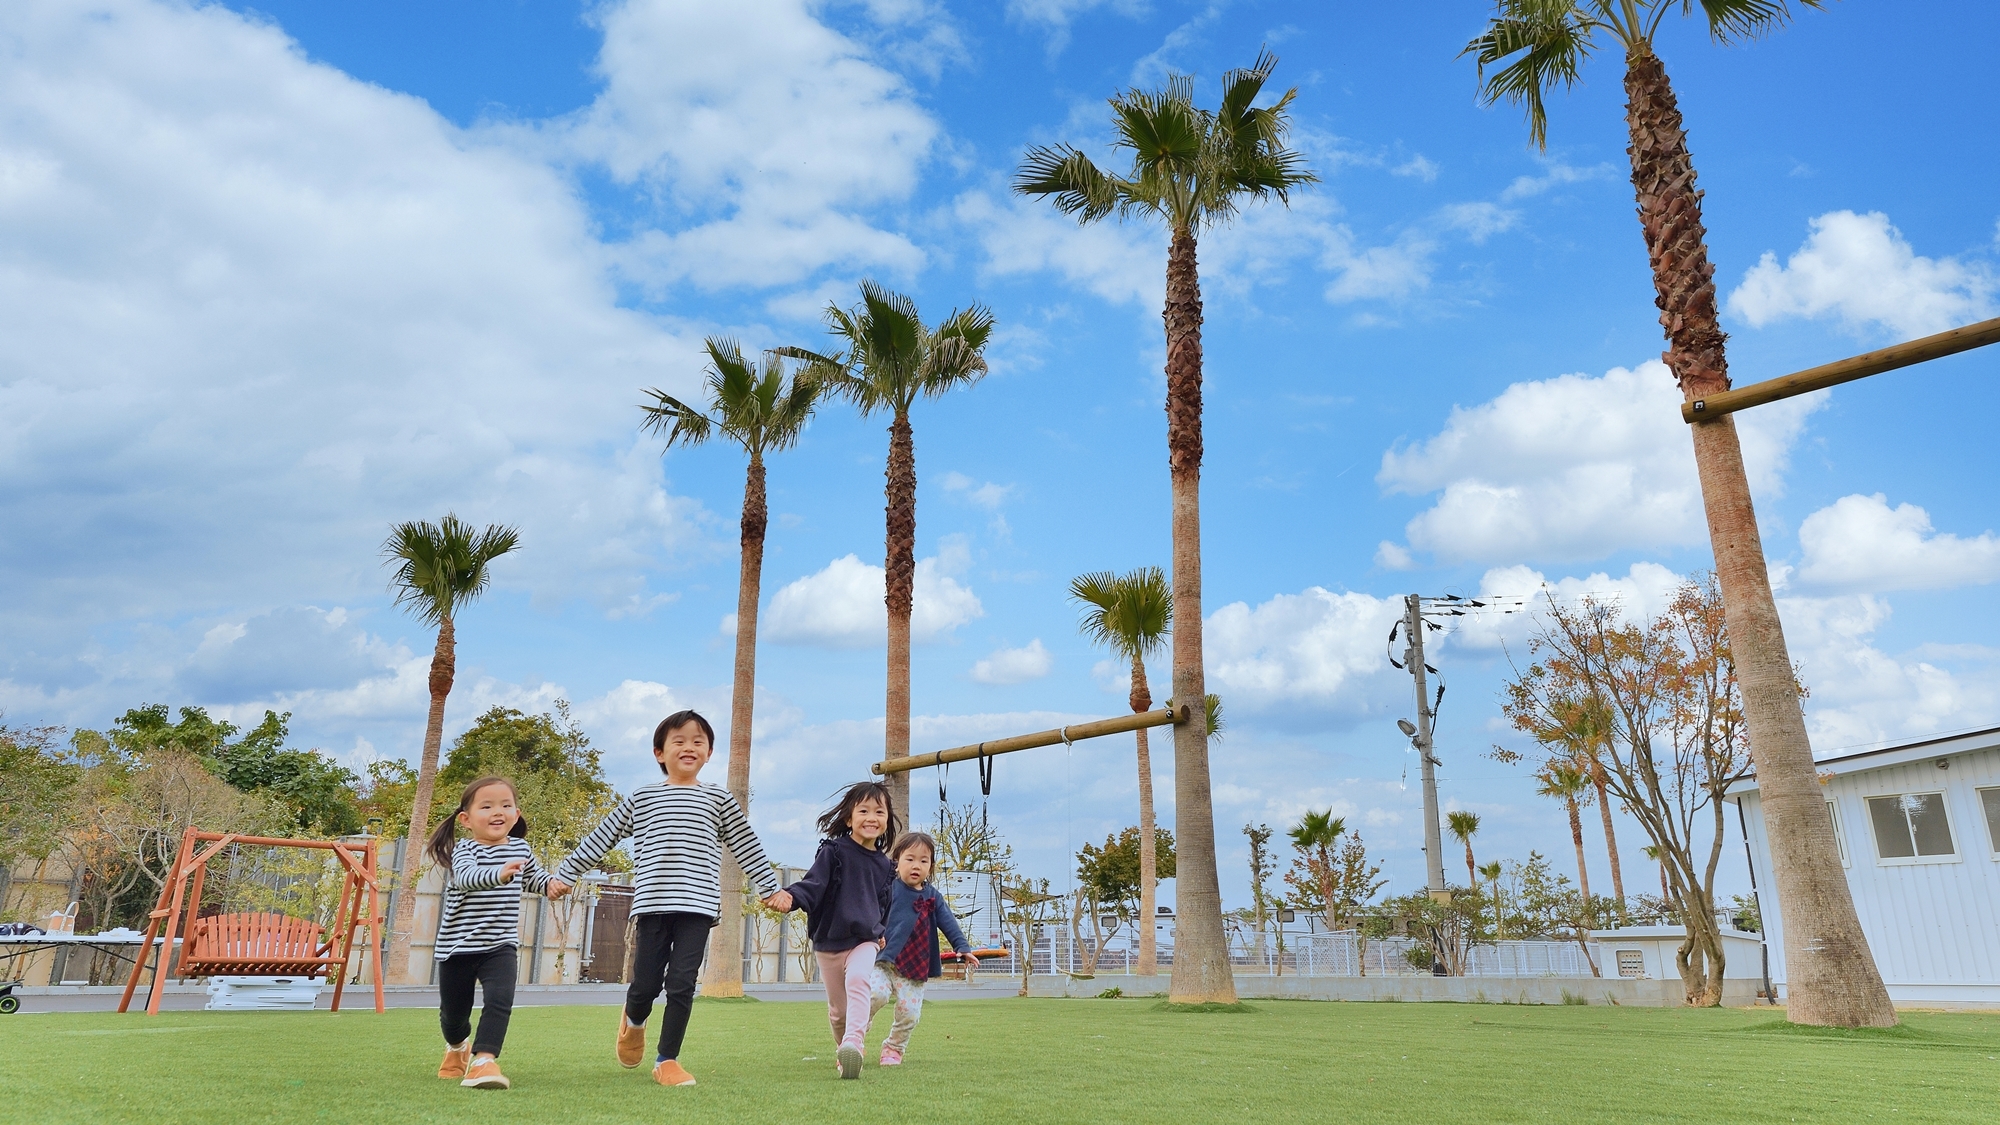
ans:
x=1499 y=932
x=1142 y=700
x=1576 y=835
x=1610 y=835
x=444 y=668
x=901 y=568
x=1832 y=976
x=725 y=962
x=1201 y=953
x=1471 y=869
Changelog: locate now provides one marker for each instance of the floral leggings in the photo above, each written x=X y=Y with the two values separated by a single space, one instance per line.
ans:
x=887 y=986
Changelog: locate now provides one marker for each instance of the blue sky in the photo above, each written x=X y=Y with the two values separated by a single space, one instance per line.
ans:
x=273 y=276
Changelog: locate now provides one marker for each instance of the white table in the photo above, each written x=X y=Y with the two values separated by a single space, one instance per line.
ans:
x=122 y=944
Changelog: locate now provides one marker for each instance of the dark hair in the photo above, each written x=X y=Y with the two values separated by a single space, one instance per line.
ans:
x=910 y=840
x=834 y=821
x=676 y=721
x=446 y=833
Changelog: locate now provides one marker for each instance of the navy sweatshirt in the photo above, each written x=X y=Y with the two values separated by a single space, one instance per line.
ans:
x=903 y=920
x=845 y=895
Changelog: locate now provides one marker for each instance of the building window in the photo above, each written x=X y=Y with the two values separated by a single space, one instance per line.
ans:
x=1911 y=826
x=1631 y=963
x=1833 y=810
x=1990 y=798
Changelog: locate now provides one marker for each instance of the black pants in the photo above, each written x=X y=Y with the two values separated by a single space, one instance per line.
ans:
x=668 y=953
x=495 y=972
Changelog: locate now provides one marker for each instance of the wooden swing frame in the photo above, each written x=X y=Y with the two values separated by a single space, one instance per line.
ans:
x=271 y=939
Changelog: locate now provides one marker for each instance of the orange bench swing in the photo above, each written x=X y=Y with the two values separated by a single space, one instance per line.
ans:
x=259 y=945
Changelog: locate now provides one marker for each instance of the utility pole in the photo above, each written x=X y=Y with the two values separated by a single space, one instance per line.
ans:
x=1413 y=659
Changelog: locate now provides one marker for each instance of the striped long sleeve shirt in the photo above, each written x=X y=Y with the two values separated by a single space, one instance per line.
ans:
x=678 y=833
x=481 y=913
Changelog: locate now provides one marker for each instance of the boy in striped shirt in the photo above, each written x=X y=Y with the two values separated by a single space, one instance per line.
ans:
x=678 y=829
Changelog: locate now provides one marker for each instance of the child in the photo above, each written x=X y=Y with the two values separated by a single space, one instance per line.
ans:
x=909 y=955
x=846 y=898
x=678 y=828
x=480 y=927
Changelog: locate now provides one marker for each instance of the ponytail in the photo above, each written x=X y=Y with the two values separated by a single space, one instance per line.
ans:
x=446 y=833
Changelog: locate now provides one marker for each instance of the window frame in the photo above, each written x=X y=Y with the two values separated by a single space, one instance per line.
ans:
x=1992 y=821
x=1839 y=837
x=1956 y=855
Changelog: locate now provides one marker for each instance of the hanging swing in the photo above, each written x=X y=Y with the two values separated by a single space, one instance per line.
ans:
x=259 y=944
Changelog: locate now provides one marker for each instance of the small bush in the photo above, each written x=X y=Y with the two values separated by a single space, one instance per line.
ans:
x=1572 y=998
x=1111 y=994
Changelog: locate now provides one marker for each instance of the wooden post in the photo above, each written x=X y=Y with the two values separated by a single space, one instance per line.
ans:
x=1072 y=733
x=1843 y=371
x=177 y=875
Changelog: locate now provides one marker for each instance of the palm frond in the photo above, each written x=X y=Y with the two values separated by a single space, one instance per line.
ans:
x=1130 y=614
x=441 y=566
x=1075 y=184
x=1730 y=20
x=1551 y=38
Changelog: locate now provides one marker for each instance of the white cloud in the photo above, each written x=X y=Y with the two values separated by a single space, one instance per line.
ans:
x=1555 y=174
x=1861 y=269
x=1860 y=543
x=1417 y=167
x=988 y=495
x=768 y=132
x=1574 y=467
x=297 y=307
x=1315 y=651
x=1863 y=695
x=1125 y=262
x=1057 y=15
x=840 y=606
x=1645 y=590
x=1122 y=263
x=1014 y=665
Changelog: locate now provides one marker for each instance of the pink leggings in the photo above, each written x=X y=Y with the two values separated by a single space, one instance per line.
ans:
x=848 y=991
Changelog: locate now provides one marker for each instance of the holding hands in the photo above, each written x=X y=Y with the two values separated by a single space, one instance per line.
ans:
x=780 y=902
x=557 y=888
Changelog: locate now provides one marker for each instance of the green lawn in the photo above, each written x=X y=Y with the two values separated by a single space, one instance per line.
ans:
x=1021 y=1061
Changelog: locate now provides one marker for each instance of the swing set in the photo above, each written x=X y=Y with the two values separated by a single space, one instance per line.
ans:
x=259 y=944
x=985 y=752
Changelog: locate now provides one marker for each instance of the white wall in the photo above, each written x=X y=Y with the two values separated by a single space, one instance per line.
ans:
x=1933 y=923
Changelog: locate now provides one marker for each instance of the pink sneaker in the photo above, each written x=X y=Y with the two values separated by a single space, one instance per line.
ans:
x=891 y=1057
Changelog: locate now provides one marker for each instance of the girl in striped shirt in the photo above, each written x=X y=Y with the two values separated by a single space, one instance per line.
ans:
x=480 y=927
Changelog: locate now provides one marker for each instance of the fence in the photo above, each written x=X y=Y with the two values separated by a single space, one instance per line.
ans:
x=1341 y=954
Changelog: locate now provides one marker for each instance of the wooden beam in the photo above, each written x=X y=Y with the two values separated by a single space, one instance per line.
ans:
x=1071 y=733
x=1843 y=371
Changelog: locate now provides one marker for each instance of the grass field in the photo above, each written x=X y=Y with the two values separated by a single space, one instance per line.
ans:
x=1021 y=1061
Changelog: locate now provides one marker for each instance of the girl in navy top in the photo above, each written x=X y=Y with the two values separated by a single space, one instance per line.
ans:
x=846 y=899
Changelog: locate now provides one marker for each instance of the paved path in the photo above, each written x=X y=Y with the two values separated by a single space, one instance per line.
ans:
x=193 y=997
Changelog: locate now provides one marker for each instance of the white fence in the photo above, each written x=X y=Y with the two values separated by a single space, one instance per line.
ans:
x=1341 y=954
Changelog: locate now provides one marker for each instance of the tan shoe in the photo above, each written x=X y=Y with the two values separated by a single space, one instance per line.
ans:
x=669 y=1073
x=486 y=1076
x=455 y=1060
x=631 y=1043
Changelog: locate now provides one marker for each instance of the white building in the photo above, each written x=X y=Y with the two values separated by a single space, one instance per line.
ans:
x=1919 y=831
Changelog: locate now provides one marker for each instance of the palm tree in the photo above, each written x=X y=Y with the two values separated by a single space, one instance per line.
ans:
x=440 y=568
x=1832 y=975
x=1191 y=168
x=1465 y=825
x=758 y=411
x=1491 y=873
x=891 y=360
x=1601 y=783
x=1569 y=782
x=1131 y=614
x=1314 y=836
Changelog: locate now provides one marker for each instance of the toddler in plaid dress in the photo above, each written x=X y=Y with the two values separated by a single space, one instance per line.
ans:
x=909 y=957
